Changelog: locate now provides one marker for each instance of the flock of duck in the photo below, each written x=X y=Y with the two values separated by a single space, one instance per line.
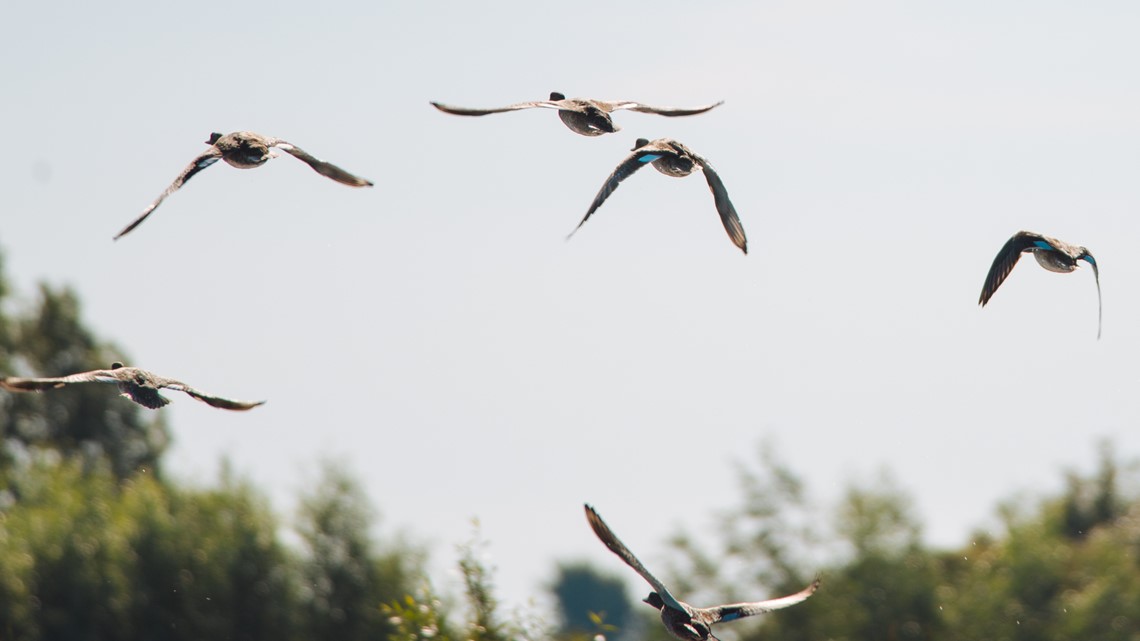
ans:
x=588 y=117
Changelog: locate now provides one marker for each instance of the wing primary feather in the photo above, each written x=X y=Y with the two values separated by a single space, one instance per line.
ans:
x=326 y=169
x=724 y=206
x=667 y=111
x=735 y=611
x=207 y=158
x=466 y=111
x=210 y=399
x=631 y=164
x=1004 y=262
x=611 y=541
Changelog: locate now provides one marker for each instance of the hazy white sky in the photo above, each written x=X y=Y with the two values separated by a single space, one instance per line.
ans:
x=439 y=335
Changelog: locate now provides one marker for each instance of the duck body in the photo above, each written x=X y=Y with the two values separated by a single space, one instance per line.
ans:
x=587 y=118
x=243 y=149
x=679 y=163
x=1055 y=261
x=684 y=626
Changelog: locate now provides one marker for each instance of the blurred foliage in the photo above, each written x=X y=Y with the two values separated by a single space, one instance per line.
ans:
x=424 y=617
x=1062 y=567
x=84 y=555
x=96 y=545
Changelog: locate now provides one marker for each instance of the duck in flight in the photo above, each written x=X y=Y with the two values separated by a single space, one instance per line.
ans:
x=136 y=384
x=682 y=620
x=1052 y=254
x=246 y=150
x=673 y=159
x=582 y=115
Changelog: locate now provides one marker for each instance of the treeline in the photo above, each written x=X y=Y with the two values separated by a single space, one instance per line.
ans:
x=1058 y=568
x=84 y=555
x=97 y=544
x=1063 y=568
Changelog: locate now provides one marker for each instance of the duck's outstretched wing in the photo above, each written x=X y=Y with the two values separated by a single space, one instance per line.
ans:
x=724 y=206
x=740 y=610
x=465 y=111
x=209 y=399
x=207 y=158
x=323 y=168
x=617 y=547
x=661 y=111
x=16 y=384
x=638 y=159
x=1005 y=260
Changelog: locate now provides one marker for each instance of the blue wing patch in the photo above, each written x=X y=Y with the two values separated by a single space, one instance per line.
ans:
x=1089 y=258
x=1042 y=244
x=730 y=615
x=649 y=157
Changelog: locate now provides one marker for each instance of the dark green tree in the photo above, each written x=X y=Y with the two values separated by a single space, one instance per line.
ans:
x=1061 y=569
x=85 y=556
x=883 y=587
x=346 y=578
x=584 y=596
x=209 y=563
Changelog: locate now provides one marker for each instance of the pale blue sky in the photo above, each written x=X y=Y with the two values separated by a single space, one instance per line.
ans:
x=471 y=362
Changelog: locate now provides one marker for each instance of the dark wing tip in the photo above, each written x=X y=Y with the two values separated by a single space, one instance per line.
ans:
x=591 y=513
x=1003 y=264
x=445 y=108
x=598 y=525
x=229 y=404
x=129 y=228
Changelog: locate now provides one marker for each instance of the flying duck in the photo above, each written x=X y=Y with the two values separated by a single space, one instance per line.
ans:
x=246 y=150
x=682 y=620
x=582 y=115
x=136 y=384
x=673 y=159
x=1052 y=254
